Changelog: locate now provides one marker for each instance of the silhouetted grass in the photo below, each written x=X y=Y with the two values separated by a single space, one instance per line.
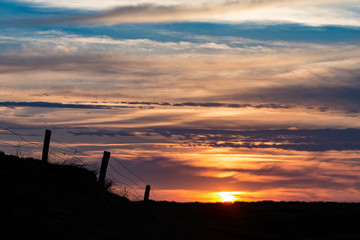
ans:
x=65 y=202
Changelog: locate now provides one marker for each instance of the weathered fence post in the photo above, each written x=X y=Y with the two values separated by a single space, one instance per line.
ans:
x=146 y=196
x=45 y=153
x=103 y=168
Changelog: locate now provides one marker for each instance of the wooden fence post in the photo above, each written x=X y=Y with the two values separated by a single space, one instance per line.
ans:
x=46 y=146
x=146 y=196
x=103 y=168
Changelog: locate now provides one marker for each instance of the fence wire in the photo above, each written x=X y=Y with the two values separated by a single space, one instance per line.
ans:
x=63 y=153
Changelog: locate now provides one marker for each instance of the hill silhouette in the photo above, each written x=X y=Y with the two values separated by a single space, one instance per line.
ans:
x=65 y=202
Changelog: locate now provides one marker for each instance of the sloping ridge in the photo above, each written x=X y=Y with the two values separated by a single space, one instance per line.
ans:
x=51 y=201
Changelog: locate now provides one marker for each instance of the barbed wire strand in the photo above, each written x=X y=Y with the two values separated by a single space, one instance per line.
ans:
x=59 y=157
x=18 y=148
x=39 y=144
x=74 y=149
x=152 y=190
x=153 y=193
x=36 y=144
x=118 y=183
x=70 y=158
x=132 y=190
x=61 y=151
x=9 y=144
x=124 y=183
x=118 y=161
x=24 y=135
x=124 y=176
x=21 y=137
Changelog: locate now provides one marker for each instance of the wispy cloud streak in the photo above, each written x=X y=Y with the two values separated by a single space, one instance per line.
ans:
x=157 y=13
x=300 y=140
x=153 y=12
x=56 y=105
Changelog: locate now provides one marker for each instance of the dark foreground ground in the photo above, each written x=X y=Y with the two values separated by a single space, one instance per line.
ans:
x=64 y=202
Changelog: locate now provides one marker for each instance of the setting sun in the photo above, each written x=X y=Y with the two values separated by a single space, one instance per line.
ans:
x=227 y=196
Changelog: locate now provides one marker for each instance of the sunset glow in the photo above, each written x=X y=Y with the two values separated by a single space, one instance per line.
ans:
x=228 y=196
x=216 y=101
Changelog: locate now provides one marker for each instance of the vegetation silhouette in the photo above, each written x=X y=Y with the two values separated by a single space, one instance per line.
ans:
x=53 y=201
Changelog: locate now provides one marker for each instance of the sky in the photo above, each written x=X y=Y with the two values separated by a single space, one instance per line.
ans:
x=251 y=100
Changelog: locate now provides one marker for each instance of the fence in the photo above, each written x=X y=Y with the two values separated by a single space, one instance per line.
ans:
x=50 y=149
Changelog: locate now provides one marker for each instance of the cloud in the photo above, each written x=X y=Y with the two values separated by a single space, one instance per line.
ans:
x=232 y=105
x=157 y=13
x=211 y=105
x=322 y=76
x=188 y=87
x=101 y=133
x=183 y=175
x=137 y=104
x=152 y=13
x=260 y=176
x=142 y=12
x=299 y=140
x=323 y=98
x=316 y=141
x=56 y=105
